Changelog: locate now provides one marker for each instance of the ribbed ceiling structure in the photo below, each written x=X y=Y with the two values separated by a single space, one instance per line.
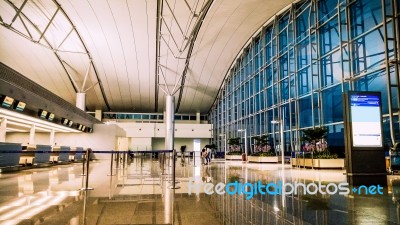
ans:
x=126 y=55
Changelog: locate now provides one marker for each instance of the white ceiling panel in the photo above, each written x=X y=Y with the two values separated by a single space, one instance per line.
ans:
x=116 y=40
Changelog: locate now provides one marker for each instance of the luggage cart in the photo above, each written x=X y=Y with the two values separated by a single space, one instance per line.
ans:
x=394 y=154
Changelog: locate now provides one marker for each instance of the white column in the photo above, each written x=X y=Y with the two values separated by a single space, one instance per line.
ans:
x=169 y=122
x=52 y=134
x=282 y=141
x=80 y=100
x=3 y=128
x=32 y=135
x=198 y=117
x=98 y=114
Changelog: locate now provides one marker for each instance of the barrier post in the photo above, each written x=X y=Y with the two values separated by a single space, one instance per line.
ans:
x=194 y=158
x=87 y=171
x=117 y=158
x=83 y=165
x=123 y=159
x=162 y=158
x=173 y=171
x=111 y=165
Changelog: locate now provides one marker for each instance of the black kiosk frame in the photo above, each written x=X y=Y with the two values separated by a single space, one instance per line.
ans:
x=365 y=156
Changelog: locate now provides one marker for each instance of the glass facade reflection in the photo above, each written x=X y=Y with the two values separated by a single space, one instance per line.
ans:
x=298 y=66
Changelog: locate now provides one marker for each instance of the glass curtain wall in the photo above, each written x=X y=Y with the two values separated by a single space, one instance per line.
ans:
x=298 y=66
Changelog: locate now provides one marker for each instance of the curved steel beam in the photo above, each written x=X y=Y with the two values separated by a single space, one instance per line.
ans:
x=193 y=37
x=158 y=35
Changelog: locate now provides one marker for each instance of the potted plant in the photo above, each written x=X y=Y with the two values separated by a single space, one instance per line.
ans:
x=394 y=158
x=262 y=151
x=316 y=152
x=234 y=152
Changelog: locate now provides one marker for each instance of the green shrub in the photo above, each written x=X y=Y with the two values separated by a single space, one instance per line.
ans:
x=263 y=154
x=234 y=153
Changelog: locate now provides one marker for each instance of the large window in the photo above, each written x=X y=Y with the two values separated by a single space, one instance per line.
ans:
x=302 y=62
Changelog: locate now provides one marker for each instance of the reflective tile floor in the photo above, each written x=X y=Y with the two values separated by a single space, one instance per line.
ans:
x=139 y=192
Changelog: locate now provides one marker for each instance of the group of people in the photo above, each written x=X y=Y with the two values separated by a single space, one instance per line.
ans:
x=206 y=156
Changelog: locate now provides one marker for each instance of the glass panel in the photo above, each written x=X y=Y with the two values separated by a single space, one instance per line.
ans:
x=368 y=51
x=305 y=112
x=257 y=102
x=283 y=64
x=329 y=36
x=257 y=83
x=302 y=24
x=326 y=9
x=374 y=82
x=269 y=97
x=335 y=139
x=292 y=86
x=331 y=69
x=262 y=100
x=268 y=73
x=365 y=14
x=304 y=80
x=332 y=104
x=285 y=89
x=303 y=54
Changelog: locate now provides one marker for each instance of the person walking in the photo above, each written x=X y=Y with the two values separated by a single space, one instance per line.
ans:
x=208 y=156
x=203 y=156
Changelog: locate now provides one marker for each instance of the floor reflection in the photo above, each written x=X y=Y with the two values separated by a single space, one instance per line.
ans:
x=136 y=192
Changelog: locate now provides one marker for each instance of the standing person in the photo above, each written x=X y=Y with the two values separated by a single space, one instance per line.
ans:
x=208 y=156
x=203 y=156
x=183 y=149
x=277 y=148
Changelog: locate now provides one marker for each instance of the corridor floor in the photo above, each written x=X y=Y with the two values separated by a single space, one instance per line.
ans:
x=139 y=192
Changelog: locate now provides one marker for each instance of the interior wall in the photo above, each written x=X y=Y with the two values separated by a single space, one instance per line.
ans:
x=104 y=138
x=149 y=130
x=140 y=144
x=159 y=143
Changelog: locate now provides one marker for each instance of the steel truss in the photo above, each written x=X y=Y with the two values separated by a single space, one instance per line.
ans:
x=31 y=28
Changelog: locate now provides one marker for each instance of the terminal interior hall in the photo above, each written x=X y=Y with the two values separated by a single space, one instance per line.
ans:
x=195 y=112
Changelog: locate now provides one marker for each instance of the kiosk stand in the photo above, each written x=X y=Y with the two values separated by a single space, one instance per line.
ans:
x=365 y=156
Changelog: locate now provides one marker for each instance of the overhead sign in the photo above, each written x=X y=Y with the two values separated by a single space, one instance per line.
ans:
x=366 y=119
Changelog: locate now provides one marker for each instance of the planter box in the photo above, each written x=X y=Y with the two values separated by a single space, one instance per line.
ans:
x=233 y=157
x=263 y=159
x=318 y=163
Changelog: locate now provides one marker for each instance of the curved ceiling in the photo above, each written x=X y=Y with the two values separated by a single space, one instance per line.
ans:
x=108 y=48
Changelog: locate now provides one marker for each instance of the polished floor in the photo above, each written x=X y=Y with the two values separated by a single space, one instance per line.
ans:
x=139 y=191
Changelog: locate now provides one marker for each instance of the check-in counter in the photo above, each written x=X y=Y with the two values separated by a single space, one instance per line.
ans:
x=76 y=154
x=60 y=154
x=42 y=154
x=55 y=152
x=27 y=155
x=9 y=154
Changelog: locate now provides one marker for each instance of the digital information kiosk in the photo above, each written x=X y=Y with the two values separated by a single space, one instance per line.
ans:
x=365 y=156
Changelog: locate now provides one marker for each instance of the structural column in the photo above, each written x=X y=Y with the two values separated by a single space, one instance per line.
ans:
x=52 y=134
x=3 y=128
x=169 y=122
x=197 y=117
x=80 y=100
x=98 y=114
x=32 y=135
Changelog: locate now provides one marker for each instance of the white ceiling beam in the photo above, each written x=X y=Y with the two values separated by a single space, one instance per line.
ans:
x=70 y=77
x=170 y=34
x=65 y=38
x=18 y=12
x=176 y=21
x=86 y=75
x=26 y=28
x=48 y=24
